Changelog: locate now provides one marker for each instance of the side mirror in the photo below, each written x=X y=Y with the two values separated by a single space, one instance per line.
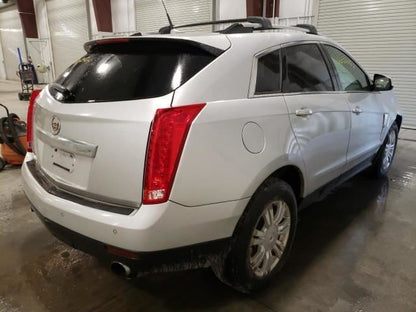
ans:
x=382 y=83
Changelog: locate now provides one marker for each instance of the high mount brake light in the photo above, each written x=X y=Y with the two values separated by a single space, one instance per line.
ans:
x=168 y=134
x=111 y=41
x=88 y=46
x=30 y=121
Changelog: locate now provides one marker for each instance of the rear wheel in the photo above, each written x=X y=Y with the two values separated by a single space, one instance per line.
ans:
x=263 y=237
x=386 y=153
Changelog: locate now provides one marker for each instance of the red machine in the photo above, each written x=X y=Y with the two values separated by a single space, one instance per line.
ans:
x=12 y=139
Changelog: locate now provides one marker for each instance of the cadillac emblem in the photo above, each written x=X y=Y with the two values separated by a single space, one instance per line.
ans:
x=55 y=125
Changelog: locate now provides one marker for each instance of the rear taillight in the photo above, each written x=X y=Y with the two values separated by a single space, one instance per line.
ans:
x=30 y=113
x=167 y=137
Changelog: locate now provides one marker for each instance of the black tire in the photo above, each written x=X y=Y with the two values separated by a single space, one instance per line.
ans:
x=238 y=271
x=379 y=168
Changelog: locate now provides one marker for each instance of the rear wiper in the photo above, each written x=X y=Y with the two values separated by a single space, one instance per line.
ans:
x=62 y=93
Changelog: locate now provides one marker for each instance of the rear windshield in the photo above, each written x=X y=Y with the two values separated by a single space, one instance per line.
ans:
x=127 y=71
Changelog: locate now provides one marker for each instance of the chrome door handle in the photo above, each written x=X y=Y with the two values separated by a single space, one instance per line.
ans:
x=357 y=110
x=303 y=112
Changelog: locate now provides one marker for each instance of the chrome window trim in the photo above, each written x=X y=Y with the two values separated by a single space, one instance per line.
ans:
x=321 y=92
x=266 y=95
x=299 y=42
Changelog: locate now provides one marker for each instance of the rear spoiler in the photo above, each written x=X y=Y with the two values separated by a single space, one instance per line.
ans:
x=95 y=45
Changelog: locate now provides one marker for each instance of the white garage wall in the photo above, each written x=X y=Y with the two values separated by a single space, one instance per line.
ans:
x=68 y=24
x=150 y=15
x=12 y=38
x=43 y=44
x=229 y=9
x=92 y=21
x=123 y=19
x=295 y=8
x=382 y=36
x=123 y=15
x=2 y=69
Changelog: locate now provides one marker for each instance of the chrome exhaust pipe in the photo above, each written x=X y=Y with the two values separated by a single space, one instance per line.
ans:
x=120 y=269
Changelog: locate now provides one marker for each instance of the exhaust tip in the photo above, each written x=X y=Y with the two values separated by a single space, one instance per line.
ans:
x=120 y=269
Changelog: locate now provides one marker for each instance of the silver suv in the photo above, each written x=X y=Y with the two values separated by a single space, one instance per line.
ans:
x=184 y=150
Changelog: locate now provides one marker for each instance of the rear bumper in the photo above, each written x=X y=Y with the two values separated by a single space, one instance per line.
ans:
x=150 y=228
x=189 y=257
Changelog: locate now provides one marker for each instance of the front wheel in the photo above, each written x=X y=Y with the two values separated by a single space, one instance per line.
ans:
x=385 y=155
x=263 y=237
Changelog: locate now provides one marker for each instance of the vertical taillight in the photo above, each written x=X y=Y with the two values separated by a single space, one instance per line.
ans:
x=30 y=113
x=167 y=137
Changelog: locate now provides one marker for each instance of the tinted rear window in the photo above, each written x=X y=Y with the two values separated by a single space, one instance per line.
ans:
x=126 y=71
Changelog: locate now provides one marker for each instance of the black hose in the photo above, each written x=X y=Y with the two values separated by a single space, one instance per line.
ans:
x=11 y=139
x=5 y=139
x=12 y=127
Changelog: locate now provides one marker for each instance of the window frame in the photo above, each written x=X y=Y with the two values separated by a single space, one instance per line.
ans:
x=328 y=65
x=338 y=79
x=253 y=78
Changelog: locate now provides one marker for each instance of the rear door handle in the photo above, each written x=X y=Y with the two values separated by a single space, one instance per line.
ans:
x=303 y=112
x=357 y=110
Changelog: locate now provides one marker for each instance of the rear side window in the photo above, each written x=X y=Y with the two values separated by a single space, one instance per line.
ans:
x=268 y=73
x=306 y=70
x=133 y=70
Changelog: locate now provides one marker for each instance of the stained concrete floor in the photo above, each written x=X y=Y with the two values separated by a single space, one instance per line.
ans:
x=354 y=251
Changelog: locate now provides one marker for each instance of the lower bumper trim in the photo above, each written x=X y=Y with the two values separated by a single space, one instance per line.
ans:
x=176 y=259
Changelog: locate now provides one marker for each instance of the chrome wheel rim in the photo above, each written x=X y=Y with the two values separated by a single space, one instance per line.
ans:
x=388 y=152
x=269 y=238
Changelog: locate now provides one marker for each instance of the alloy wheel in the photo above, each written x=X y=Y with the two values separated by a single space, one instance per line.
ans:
x=269 y=238
x=388 y=152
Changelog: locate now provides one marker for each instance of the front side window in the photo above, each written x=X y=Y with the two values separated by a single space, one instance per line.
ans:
x=268 y=73
x=352 y=78
x=306 y=70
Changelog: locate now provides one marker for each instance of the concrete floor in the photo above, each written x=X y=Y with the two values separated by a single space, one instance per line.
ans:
x=354 y=251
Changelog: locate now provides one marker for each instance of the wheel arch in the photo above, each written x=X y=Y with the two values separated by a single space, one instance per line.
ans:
x=293 y=176
x=399 y=119
x=289 y=173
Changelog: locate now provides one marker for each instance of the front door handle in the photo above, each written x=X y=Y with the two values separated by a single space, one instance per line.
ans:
x=303 y=112
x=357 y=110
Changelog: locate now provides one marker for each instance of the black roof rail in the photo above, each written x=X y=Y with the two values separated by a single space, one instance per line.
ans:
x=311 y=28
x=240 y=28
x=263 y=21
x=236 y=28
